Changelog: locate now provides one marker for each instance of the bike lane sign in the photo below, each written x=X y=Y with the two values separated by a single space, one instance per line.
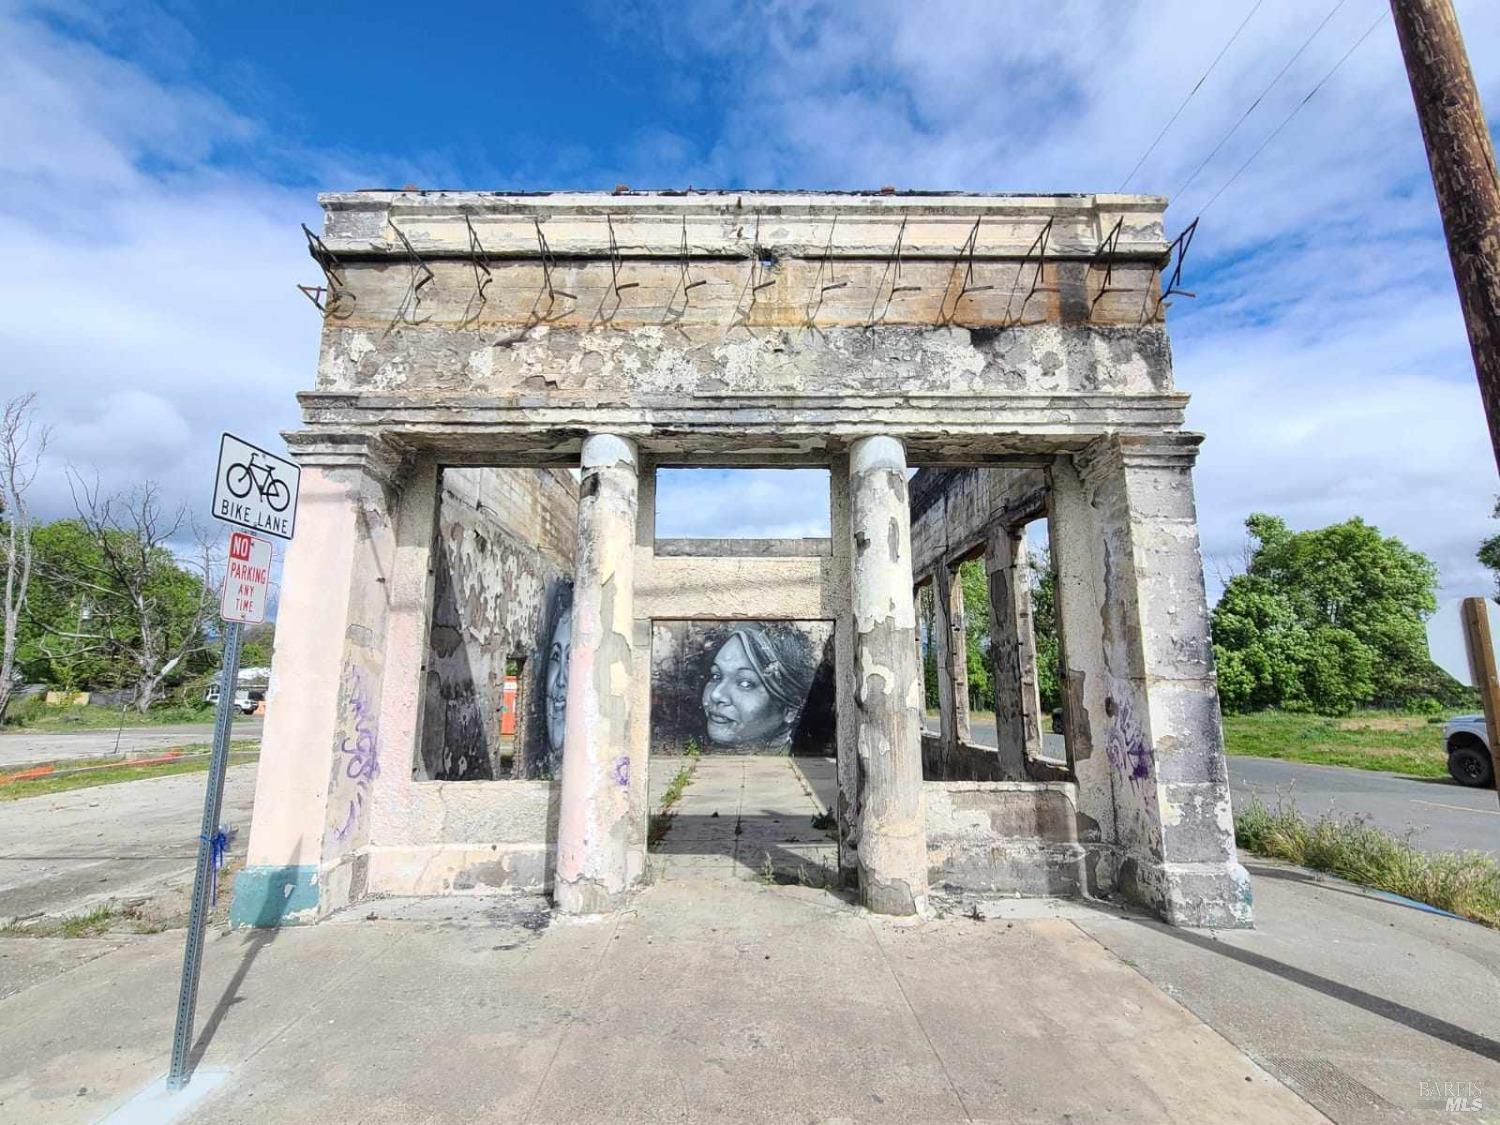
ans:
x=255 y=489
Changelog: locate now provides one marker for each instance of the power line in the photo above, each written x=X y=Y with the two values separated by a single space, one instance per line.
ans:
x=1280 y=74
x=1287 y=120
x=1197 y=86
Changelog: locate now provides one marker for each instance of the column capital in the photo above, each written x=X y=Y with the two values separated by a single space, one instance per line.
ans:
x=379 y=455
x=1111 y=452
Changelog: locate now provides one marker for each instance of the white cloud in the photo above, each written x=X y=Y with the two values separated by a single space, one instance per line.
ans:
x=150 y=297
x=148 y=309
x=1325 y=352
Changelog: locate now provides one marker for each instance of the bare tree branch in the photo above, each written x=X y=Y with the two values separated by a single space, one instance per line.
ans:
x=22 y=444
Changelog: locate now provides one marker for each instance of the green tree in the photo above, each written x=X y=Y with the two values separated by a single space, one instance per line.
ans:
x=120 y=608
x=976 y=586
x=1044 y=626
x=1325 y=620
x=1489 y=551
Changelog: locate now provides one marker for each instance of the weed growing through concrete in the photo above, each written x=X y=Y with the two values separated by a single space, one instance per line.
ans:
x=661 y=820
x=1464 y=883
x=92 y=924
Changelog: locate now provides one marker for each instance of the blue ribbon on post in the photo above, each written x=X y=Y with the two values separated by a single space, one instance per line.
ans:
x=218 y=845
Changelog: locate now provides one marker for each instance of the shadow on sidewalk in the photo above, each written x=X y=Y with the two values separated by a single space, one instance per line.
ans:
x=1440 y=1029
x=252 y=945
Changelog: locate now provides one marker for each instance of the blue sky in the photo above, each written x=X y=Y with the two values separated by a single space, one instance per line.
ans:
x=160 y=157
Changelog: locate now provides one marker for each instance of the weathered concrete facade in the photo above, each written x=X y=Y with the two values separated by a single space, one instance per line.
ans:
x=620 y=333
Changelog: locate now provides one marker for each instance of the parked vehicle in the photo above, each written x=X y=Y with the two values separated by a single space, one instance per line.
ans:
x=246 y=700
x=1468 y=746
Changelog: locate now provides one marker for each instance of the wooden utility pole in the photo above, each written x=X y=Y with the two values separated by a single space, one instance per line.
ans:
x=1462 y=159
x=1475 y=615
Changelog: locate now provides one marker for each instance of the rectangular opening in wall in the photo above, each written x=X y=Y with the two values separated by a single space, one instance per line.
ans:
x=502 y=567
x=1048 y=648
x=742 y=511
x=511 y=717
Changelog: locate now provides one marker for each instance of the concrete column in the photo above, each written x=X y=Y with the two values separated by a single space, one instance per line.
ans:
x=952 y=656
x=1078 y=562
x=1011 y=644
x=323 y=746
x=1160 y=731
x=593 y=832
x=1031 y=687
x=888 y=681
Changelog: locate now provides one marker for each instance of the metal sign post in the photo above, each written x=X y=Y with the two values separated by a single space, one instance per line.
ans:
x=210 y=854
x=243 y=470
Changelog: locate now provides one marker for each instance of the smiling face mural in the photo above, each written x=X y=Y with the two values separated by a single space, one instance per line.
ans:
x=754 y=692
x=746 y=687
x=556 y=703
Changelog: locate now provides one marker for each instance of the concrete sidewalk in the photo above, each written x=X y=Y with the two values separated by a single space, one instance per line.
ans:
x=711 y=1001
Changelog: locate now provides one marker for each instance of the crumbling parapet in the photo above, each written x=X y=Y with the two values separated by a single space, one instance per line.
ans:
x=594 y=833
x=888 y=683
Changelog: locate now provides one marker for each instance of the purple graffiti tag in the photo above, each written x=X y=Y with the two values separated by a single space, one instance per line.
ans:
x=1126 y=749
x=621 y=771
x=360 y=746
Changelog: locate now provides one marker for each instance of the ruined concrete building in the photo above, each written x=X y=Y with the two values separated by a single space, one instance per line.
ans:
x=482 y=640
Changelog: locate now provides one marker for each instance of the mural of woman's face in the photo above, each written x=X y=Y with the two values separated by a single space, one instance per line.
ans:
x=557 y=679
x=739 y=709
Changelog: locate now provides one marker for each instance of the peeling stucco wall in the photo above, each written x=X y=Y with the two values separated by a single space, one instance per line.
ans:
x=502 y=571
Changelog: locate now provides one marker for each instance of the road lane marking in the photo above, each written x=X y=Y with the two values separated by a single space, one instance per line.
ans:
x=1460 y=808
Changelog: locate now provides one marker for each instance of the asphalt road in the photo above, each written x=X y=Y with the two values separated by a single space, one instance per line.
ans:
x=24 y=748
x=1441 y=814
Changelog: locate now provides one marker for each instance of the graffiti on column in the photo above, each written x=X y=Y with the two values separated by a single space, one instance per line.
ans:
x=762 y=687
x=1126 y=748
x=359 y=747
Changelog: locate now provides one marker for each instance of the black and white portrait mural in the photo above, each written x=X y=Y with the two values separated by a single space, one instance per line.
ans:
x=551 y=686
x=742 y=687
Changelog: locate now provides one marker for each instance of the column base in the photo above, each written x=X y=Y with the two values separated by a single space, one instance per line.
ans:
x=893 y=874
x=1201 y=895
x=268 y=896
x=586 y=896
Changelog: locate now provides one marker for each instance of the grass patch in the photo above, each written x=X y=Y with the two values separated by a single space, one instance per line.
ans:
x=661 y=820
x=37 y=714
x=1463 y=883
x=85 y=773
x=1409 y=744
x=92 y=924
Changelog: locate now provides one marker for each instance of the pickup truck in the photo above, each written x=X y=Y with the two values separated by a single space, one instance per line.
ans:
x=1468 y=746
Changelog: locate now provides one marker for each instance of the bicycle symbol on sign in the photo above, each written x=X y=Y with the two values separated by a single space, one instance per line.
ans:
x=242 y=477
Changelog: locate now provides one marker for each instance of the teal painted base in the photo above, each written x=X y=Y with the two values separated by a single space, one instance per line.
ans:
x=267 y=896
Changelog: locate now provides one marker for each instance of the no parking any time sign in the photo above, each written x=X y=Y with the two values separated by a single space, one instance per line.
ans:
x=247 y=579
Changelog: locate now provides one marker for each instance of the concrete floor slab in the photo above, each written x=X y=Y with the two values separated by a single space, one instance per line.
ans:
x=726 y=1000
x=747 y=816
